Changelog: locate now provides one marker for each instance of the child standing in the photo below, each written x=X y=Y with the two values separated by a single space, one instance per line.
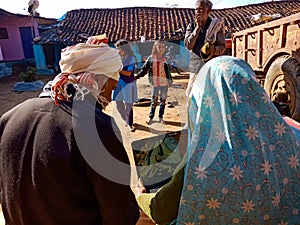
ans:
x=160 y=78
x=126 y=92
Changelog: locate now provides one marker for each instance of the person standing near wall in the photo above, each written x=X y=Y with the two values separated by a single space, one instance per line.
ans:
x=205 y=38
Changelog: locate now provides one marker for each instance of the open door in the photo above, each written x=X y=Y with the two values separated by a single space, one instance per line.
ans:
x=26 y=37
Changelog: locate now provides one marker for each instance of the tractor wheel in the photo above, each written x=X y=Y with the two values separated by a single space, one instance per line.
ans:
x=283 y=76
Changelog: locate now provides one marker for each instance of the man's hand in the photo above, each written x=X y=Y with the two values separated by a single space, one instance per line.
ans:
x=198 y=20
x=139 y=188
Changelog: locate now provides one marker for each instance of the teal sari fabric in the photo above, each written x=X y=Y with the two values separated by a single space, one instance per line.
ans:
x=243 y=158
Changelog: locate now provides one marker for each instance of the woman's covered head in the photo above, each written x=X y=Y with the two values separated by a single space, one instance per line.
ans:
x=231 y=87
x=243 y=158
x=226 y=99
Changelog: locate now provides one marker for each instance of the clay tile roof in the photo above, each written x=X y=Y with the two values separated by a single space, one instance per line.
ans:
x=153 y=23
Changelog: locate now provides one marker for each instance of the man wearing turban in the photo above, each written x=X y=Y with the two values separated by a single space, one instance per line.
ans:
x=62 y=161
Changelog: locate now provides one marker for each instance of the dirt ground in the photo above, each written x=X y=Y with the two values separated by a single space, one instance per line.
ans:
x=175 y=112
x=175 y=116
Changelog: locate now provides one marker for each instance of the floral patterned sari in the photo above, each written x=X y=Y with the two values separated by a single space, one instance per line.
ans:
x=243 y=158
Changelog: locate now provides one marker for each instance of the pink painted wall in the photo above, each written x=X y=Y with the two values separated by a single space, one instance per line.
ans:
x=12 y=48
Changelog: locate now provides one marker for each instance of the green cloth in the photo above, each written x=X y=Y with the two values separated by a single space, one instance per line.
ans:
x=159 y=162
x=162 y=206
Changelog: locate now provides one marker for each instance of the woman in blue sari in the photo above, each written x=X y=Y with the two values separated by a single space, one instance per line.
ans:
x=126 y=92
x=243 y=159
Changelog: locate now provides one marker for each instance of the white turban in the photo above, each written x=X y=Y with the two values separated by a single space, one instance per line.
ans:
x=92 y=58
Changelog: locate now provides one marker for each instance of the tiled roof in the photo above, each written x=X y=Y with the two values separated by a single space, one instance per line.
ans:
x=154 y=23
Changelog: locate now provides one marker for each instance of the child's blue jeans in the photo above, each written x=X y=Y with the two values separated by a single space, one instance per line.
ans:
x=162 y=92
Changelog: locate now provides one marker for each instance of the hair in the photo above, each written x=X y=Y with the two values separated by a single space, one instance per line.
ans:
x=125 y=46
x=207 y=3
x=156 y=43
